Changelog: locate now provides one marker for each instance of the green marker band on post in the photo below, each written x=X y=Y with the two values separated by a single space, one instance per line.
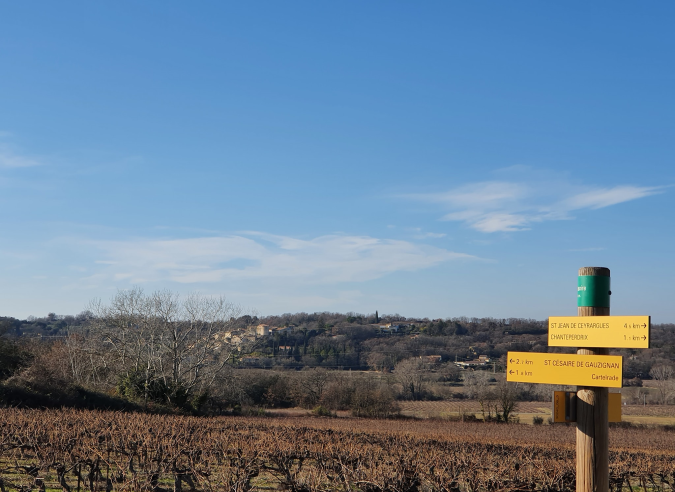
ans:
x=593 y=291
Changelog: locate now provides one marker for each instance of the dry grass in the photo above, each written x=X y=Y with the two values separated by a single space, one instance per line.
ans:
x=526 y=411
x=649 y=410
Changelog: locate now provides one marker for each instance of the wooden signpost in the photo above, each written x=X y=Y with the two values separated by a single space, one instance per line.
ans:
x=591 y=369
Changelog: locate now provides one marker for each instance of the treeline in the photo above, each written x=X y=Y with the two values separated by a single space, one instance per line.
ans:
x=352 y=341
x=160 y=351
x=355 y=341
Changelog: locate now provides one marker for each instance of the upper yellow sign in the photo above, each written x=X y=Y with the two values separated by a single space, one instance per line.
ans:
x=599 y=331
x=580 y=370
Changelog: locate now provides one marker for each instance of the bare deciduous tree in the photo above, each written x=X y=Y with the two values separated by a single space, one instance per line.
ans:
x=84 y=359
x=413 y=374
x=164 y=341
x=477 y=384
x=663 y=380
x=506 y=398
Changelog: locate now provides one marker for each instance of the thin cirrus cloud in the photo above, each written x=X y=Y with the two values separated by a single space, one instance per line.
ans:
x=10 y=159
x=500 y=206
x=253 y=255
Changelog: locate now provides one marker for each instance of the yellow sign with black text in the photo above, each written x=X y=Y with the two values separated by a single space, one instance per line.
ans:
x=599 y=331
x=581 y=370
x=565 y=407
x=614 y=410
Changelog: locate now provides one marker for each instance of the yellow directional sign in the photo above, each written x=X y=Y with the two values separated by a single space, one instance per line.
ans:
x=599 y=331
x=614 y=410
x=580 y=370
x=565 y=406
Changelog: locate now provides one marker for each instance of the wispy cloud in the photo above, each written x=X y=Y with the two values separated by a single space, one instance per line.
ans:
x=432 y=235
x=419 y=234
x=255 y=255
x=11 y=159
x=604 y=197
x=506 y=206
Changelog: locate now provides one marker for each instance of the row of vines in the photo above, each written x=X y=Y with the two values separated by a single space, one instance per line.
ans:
x=84 y=451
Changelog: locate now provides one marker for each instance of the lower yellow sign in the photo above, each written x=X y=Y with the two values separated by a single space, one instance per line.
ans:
x=580 y=370
x=614 y=412
x=565 y=407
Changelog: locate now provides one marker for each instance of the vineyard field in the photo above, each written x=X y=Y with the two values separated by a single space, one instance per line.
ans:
x=82 y=451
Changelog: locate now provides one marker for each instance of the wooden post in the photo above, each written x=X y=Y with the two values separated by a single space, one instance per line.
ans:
x=592 y=414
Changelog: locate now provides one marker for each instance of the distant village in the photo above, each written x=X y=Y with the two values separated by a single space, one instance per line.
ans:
x=249 y=335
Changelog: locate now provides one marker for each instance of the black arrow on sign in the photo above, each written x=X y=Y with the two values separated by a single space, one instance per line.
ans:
x=510 y=372
x=511 y=361
x=644 y=325
x=644 y=337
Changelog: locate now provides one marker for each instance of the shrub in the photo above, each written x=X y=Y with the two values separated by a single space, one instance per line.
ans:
x=374 y=402
x=322 y=411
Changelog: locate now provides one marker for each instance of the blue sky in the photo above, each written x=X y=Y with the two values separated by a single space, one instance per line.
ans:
x=438 y=159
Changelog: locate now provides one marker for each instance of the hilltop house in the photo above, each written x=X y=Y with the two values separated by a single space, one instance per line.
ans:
x=482 y=360
x=262 y=330
x=392 y=327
